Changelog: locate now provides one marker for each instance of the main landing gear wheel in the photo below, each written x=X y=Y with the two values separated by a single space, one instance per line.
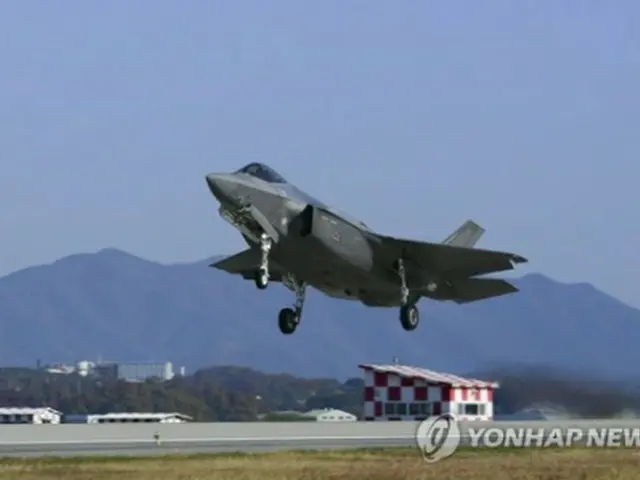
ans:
x=409 y=317
x=262 y=278
x=288 y=320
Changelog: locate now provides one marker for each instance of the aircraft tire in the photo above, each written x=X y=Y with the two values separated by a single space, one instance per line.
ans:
x=287 y=321
x=262 y=279
x=409 y=317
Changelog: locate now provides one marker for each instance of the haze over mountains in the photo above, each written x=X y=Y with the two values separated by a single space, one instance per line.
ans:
x=120 y=307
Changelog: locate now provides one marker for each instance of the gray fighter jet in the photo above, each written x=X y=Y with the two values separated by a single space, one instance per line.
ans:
x=300 y=241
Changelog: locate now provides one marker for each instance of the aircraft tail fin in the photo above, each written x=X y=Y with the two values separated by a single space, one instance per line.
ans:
x=467 y=235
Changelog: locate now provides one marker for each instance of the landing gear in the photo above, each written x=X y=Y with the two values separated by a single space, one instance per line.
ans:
x=289 y=318
x=409 y=317
x=404 y=291
x=287 y=321
x=262 y=278
x=262 y=275
x=409 y=314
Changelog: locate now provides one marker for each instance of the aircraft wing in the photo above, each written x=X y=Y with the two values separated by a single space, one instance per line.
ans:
x=246 y=264
x=469 y=290
x=449 y=260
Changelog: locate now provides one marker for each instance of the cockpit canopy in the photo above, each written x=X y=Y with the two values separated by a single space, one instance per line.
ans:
x=263 y=172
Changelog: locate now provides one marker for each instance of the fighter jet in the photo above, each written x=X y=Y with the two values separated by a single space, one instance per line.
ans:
x=300 y=241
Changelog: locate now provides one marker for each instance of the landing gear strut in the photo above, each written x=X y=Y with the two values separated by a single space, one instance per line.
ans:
x=289 y=318
x=409 y=314
x=262 y=275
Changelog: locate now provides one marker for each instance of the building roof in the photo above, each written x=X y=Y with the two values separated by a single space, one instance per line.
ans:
x=315 y=413
x=141 y=415
x=406 y=371
x=27 y=410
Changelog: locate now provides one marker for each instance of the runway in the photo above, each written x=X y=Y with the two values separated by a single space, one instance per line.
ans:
x=68 y=440
x=148 y=448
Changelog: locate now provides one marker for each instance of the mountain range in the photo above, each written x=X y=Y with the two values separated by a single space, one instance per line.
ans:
x=119 y=307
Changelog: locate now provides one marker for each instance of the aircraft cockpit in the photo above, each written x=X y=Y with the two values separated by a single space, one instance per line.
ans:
x=263 y=172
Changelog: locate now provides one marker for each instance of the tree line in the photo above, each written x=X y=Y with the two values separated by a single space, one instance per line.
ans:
x=212 y=394
x=229 y=393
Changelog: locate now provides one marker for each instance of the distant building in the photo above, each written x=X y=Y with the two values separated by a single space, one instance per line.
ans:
x=319 y=415
x=128 y=418
x=106 y=370
x=29 y=415
x=400 y=392
x=331 y=415
x=60 y=369
x=85 y=367
x=139 y=372
x=130 y=372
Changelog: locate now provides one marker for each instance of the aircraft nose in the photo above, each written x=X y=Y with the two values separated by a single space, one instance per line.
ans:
x=222 y=186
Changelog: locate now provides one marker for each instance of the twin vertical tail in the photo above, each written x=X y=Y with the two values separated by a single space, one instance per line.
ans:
x=467 y=235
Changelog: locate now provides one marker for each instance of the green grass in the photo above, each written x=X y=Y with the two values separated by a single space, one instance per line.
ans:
x=369 y=464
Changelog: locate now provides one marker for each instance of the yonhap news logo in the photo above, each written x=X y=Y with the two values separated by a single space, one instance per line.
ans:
x=439 y=437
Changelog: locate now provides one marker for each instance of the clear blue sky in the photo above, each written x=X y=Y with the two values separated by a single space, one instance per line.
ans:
x=413 y=116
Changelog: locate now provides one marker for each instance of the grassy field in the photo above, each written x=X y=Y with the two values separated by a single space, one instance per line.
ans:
x=397 y=464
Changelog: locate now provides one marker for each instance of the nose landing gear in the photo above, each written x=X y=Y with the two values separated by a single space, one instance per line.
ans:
x=262 y=275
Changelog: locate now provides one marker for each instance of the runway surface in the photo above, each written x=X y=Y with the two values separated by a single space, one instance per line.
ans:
x=201 y=446
x=190 y=438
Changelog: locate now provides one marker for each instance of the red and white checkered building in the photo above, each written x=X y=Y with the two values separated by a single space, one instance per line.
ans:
x=404 y=393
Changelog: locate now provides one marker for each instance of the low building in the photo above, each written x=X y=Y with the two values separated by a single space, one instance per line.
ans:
x=330 y=415
x=29 y=415
x=317 y=415
x=128 y=418
x=400 y=392
x=139 y=372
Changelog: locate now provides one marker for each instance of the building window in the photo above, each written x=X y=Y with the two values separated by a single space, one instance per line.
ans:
x=389 y=408
x=425 y=408
x=472 y=409
x=414 y=409
x=402 y=409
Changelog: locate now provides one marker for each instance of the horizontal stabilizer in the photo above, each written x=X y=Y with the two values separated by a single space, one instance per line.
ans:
x=474 y=289
x=447 y=260
x=246 y=264
x=467 y=235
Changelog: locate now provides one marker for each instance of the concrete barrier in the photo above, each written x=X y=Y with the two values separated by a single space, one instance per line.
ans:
x=124 y=433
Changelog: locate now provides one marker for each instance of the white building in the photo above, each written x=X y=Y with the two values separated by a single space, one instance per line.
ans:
x=128 y=418
x=330 y=415
x=400 y=392
x=36 y=416
x=139 y=372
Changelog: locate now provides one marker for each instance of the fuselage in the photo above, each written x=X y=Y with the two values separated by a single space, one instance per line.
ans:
x=316 y=244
